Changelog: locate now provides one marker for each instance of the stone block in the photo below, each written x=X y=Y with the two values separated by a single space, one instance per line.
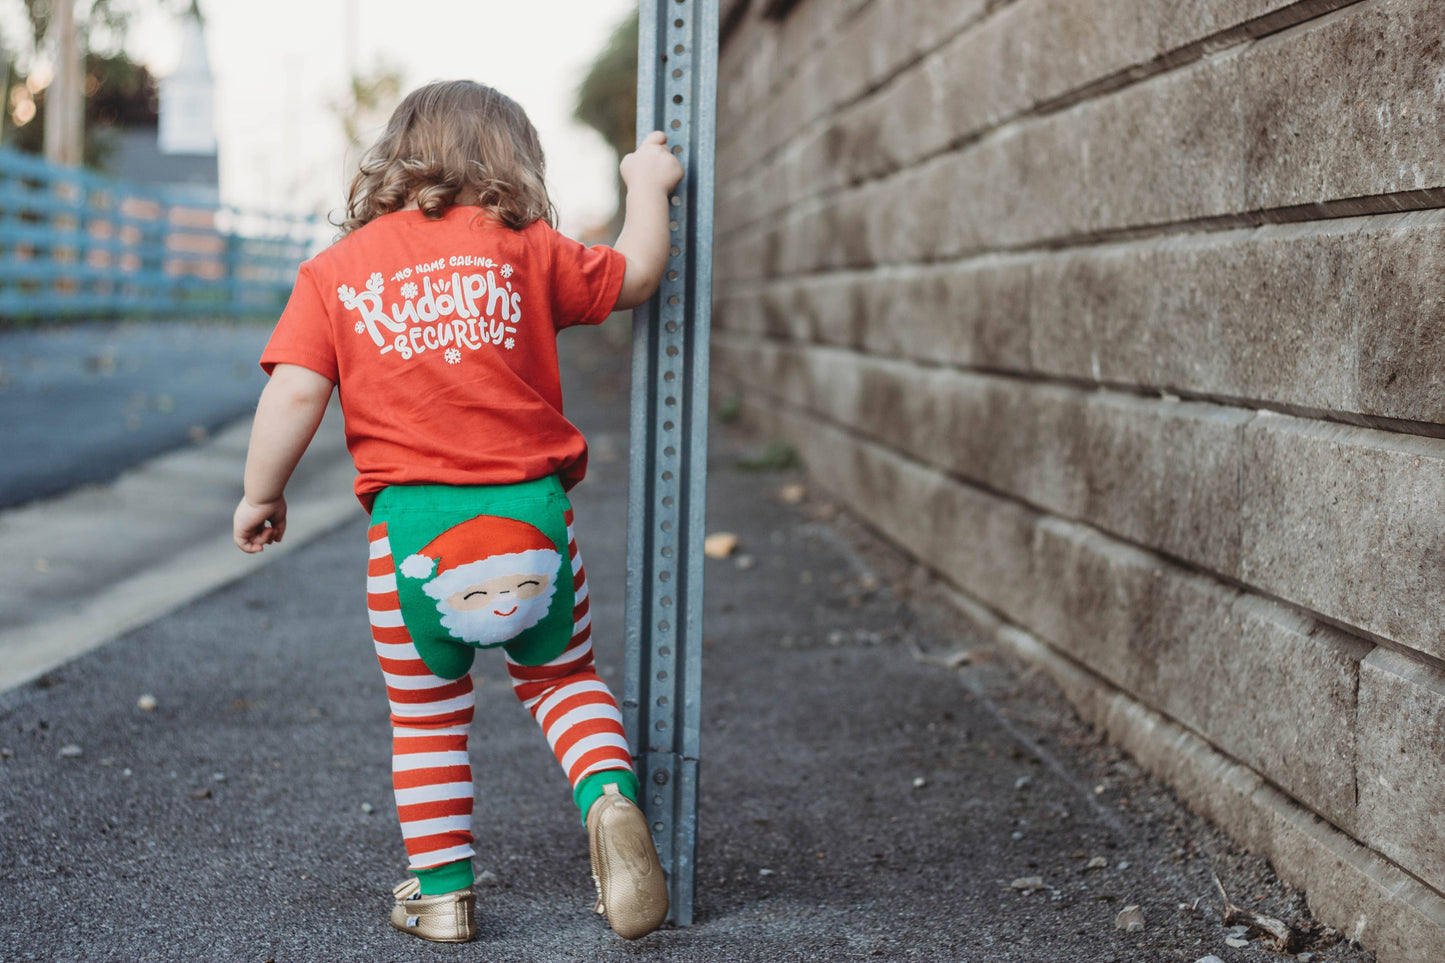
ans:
x=824 y=310
x=1401 y=739
x=1346 y=106
x=738 y=315
x=1397 y=290
x=980 y=541
x=1269 y=687
x=1367 y=898
x=1162 y=151
x=1265 y=315
x=1158 y=473
x=1280 y=695
x=1059 y=45
x=1161 y=474
x=1217 y=788
x=972 y=315
x=1347 y=522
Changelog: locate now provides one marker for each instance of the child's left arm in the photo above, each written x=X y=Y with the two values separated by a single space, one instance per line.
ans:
x=287 y=416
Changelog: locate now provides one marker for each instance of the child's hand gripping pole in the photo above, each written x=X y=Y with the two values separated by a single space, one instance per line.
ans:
x=287 y=416
x=651 y=173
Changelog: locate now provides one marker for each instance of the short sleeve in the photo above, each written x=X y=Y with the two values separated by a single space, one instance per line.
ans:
x=303 y=334
x=585 y=281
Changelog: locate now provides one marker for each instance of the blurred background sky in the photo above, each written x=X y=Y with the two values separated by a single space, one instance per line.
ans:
x=282 y=67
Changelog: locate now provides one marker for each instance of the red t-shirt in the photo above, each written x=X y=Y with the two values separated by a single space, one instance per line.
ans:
x=441 y=336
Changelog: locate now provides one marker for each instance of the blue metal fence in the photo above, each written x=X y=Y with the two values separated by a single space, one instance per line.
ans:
x=74 y=244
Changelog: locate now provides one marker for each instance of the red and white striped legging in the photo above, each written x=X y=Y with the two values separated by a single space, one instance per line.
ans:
x=430 y=716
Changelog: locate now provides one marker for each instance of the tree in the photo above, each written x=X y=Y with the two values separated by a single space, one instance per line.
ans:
x=607 y=97
x=370 y=99
x=119 y=92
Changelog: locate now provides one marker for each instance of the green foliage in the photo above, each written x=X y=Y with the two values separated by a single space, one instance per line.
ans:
x=730 y=409
x=371 y=97
x=106 y=17
x=120 y=93
x=778 y=456
x=607 y=98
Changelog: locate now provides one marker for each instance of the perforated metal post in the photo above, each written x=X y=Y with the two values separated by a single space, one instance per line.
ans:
x=676 y=93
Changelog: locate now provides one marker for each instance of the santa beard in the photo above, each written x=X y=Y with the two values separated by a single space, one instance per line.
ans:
x=484 y=627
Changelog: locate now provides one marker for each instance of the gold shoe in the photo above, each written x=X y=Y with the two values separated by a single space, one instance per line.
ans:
x=447 y=918
x=631 y=890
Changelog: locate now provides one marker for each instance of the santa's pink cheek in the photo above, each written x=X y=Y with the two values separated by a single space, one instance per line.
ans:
x=510 y=611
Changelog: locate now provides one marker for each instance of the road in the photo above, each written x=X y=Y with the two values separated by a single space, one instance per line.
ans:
x=80 y=403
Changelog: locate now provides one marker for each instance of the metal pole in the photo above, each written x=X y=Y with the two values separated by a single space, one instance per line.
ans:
x=676 y=93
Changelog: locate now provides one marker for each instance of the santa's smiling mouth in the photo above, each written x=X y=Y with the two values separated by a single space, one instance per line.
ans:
x=506 y=613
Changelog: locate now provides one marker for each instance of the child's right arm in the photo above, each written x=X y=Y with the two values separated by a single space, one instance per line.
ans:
x=650 y=173
x=287 y=416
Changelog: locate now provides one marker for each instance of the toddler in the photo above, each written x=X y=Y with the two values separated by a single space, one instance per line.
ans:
x=435 y=317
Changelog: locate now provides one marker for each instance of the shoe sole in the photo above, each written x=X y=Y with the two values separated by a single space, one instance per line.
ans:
x=632 y=890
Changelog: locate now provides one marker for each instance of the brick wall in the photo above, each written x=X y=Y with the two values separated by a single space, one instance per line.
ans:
x=1128 y=318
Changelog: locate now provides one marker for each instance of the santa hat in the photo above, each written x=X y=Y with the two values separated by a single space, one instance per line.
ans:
x=479 y=549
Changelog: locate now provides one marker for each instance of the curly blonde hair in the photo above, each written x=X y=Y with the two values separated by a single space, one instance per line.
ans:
x=452 y=142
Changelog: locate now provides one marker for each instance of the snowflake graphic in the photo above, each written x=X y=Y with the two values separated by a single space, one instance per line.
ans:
x=509 y=344
x=408 y=290
x=453 y=356
x=506 y=270
x=360 y=326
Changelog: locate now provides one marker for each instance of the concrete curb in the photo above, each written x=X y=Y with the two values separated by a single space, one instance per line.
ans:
x=1364 y=895
x=128 y=581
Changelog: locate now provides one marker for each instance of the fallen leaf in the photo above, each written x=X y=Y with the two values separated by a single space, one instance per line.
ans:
x=1130 y=919
x=719 y=544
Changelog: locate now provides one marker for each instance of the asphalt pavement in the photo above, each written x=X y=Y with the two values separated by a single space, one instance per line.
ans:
x=875 y=784
x=81 y=403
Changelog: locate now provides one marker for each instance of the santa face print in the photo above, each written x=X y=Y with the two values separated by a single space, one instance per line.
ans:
x=505 y=592
x=492 y=578
x=496 y=609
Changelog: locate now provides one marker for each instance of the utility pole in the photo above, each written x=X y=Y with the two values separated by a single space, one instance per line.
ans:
x=662 y=700
x=65 y=100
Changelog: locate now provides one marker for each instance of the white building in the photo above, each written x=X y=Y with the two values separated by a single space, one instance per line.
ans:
x=188 y=96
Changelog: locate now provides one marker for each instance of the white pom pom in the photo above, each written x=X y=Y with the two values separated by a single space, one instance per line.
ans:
x=417 y=566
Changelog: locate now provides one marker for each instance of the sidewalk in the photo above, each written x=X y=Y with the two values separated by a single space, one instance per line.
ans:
x=867 y=791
